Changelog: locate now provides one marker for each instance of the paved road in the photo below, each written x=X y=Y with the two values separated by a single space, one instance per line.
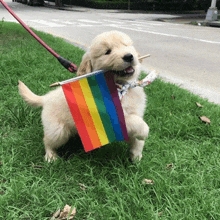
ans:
x=186 y=55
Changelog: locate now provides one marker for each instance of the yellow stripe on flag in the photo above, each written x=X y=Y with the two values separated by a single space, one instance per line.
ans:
x=94 y=111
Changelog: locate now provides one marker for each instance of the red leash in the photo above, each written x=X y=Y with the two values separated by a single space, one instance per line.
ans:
x=66 y=63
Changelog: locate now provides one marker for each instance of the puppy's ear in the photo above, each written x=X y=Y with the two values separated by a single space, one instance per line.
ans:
x=85 y=65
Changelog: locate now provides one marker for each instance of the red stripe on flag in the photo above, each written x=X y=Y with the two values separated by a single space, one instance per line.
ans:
x=74 y=109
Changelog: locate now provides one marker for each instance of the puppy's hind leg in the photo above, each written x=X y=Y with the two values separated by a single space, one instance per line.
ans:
x=54 y=137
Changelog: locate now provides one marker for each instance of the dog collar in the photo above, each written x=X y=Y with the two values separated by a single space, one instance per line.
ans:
x=123 y=87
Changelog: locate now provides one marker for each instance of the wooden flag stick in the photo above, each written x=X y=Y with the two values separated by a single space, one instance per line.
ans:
x=77 y=78
x=143 y=57
x=87 y=75
x=55 y=84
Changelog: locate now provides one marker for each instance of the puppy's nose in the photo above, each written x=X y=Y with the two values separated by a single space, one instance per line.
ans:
x=128 y=57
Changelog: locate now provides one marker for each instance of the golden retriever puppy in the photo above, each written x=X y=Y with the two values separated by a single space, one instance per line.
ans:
x=109 y=51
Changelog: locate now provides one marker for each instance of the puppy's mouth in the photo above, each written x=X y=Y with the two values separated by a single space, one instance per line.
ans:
x=129 y=71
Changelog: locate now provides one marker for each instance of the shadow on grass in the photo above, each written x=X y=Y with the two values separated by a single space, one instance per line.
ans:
x=118 y=151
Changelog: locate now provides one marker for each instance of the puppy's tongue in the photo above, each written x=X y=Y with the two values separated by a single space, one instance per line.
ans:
x=129 y=70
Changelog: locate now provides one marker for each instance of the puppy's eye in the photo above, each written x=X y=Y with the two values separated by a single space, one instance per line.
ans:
x=108 y=51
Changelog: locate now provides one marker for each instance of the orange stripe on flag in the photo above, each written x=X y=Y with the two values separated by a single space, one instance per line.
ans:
x=85 y=113
x=70 y=98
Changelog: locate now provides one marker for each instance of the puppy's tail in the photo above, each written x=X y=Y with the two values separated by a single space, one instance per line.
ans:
x=28 y=96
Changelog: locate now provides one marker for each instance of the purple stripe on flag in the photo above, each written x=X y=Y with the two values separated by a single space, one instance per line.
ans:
x=109 y=76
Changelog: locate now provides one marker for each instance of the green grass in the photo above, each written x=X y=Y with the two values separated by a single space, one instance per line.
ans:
x=33 y=189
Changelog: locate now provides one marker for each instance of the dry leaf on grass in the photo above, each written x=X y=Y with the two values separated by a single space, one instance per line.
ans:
x=160 y=213
x=199 y=105
x=82 y=186
x=56 y=214
x=173 y=97
x=169 y=166
x=205 y=119
x=37 y=166
x=65 y=214
x=3 y=181
x=148 y=182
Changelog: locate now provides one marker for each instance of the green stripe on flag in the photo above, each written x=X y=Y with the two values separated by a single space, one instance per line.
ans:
x=101 y=108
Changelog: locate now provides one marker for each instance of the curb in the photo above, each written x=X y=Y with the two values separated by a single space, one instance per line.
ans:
x=213 y=23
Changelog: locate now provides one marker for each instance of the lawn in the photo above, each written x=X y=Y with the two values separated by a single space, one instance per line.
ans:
x=181 y=155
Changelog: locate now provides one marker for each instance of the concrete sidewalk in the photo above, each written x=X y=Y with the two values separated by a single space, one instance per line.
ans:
x=193 y=19
x=213 y=23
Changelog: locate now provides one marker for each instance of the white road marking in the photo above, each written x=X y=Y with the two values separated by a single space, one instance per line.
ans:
x=162 y=34
x=47 y=23
x=85 y=25
x=68 y=22
x=89 y=21
x=56 y=20
x=112 y=21
x=112 y=25
x=146 y=22
x=63 y=22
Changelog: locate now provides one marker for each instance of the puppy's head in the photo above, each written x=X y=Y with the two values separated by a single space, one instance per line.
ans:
x=111 y=51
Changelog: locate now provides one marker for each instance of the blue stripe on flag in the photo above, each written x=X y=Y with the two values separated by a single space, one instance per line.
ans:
x=110 y=107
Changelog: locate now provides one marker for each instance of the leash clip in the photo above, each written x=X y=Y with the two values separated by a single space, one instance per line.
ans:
x=67 y=64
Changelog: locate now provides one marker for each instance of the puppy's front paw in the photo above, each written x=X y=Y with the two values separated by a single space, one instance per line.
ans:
x=135 y=157
x=50 y=156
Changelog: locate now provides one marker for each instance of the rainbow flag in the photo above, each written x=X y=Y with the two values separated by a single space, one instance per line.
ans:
x=96 y=110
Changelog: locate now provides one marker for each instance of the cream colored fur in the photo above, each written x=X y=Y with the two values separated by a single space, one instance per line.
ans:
x=56 y=118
